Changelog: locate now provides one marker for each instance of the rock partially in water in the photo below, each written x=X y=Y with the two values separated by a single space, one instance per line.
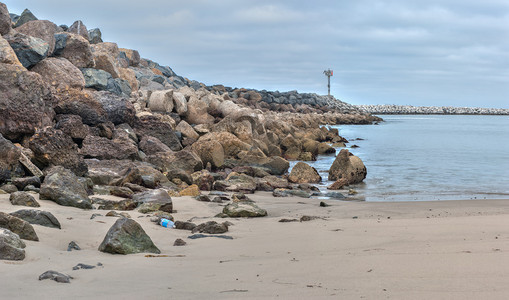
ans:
x=304 y=173
x=348 y=166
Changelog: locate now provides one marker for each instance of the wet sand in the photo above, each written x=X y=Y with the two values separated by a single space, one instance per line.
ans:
x=354 y=250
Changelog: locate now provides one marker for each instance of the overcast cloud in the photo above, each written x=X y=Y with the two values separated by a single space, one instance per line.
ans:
x=447 y=52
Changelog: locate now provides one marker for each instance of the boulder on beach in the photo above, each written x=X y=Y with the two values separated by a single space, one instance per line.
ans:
x=39 y=217
x=63 y=187
x=11 y=246
x=243 y=210
x=126 y=236
x=18 y=226
x=24 y=199
x=304 y=173
x=348 y=166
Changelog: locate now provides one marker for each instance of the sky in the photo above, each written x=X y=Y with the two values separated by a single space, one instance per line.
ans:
x=407 y=52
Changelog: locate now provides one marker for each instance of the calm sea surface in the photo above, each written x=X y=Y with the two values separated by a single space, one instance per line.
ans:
x=429 y=157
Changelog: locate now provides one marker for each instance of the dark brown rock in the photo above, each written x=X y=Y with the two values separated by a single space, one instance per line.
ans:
x=153 y=126
x=52 y=147
x=169 y=162
x=26 y=102
x=82 y=103
x=151 y=145
x=9 y=155
x=103 y=148
x=73 y=126
x=80 y=29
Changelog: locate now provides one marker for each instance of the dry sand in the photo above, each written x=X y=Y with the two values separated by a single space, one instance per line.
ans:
x=359 y=250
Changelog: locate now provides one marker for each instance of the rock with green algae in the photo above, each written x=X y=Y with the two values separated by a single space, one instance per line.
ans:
x=126 y=236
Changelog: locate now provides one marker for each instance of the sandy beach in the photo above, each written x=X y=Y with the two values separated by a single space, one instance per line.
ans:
x=354 y=250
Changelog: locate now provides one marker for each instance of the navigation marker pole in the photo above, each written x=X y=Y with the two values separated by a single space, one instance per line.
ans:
x=328 y=73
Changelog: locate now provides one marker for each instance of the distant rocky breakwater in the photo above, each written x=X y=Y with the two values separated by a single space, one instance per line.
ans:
x=81 y=118
x=430 y=110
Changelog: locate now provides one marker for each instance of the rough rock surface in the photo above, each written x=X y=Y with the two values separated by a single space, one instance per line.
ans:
x=18 y=226
x=60 y=73
x=52 y=147
x=42 y=29
x=26 y=102
x=346 y=165
x=29 y=50
x=304 y=173
x=127 y=237
x=63 y=187
x=38 y=217
x=159 y=196
x=11 y=246
x=24 y=199
x=243 y=210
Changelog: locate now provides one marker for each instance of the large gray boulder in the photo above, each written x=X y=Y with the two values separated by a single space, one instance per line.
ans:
x=29 y=50
x=63 y=187
x=127 y=237
x=348 y=166
x=38 y=217
x=18 y=226
x=11 y=246
x=96 y=79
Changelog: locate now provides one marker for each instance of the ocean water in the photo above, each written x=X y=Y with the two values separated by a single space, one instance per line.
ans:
x=429 y=157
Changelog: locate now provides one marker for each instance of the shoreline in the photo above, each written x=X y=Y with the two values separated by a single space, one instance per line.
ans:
x=352 y=250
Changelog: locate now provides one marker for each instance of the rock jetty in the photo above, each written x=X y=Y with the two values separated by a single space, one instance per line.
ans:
x=80 y=117
x=429 y=110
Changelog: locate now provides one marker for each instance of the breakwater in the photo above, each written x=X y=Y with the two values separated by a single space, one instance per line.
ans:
x=430 y=110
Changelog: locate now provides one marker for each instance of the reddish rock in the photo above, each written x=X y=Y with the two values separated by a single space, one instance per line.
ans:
x=80 y=29
x=5 y=20
x=43 y=29
x=60 y=73
x=154 y=126
x=151 y=145
x=75 y=48
x=26 y=102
